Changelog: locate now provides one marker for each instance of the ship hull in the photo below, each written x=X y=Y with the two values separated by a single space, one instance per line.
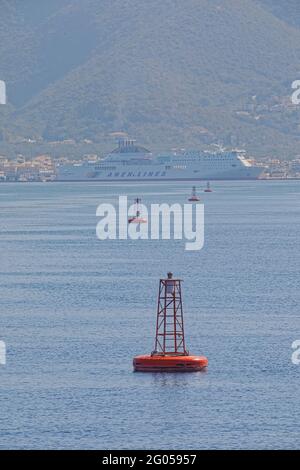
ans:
x=251 y=173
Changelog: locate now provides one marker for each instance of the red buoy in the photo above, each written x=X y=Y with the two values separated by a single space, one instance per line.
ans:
x=137 y=219
x=170 y=354
x=208 y=188
x=194 y=197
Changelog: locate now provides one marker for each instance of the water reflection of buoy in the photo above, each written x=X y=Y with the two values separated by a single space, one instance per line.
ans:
x=137 y=219
x=194 y=197
x=208 y=188
x=170 y=353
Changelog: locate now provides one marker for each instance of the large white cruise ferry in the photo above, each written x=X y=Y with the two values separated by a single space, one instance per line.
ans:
x=131 y=162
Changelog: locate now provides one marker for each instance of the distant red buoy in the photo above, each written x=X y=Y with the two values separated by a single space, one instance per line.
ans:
x=208 y=188
x=194 y=197
x=137 y=219
x=170 y=354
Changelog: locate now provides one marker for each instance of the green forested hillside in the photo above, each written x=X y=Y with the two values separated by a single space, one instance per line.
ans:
x=170 y=73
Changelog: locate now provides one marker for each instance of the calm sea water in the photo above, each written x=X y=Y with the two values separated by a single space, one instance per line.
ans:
x=75 y=310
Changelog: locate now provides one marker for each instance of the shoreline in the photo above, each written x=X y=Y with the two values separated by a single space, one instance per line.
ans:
x=151 y=181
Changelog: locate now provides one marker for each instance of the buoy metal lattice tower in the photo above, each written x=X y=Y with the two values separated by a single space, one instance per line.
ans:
x=169 y=339
x=170 y=354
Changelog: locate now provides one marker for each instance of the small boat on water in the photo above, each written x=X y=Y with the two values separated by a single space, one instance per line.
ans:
x=137 y=218
x=194 y=197
x=208 y=188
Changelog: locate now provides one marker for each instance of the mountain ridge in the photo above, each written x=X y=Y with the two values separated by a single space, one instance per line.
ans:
x=169 y=74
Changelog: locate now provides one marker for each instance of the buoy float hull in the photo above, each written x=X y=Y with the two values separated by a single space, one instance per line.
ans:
x=137 y=220
x=157 y=363
x=194 y=199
